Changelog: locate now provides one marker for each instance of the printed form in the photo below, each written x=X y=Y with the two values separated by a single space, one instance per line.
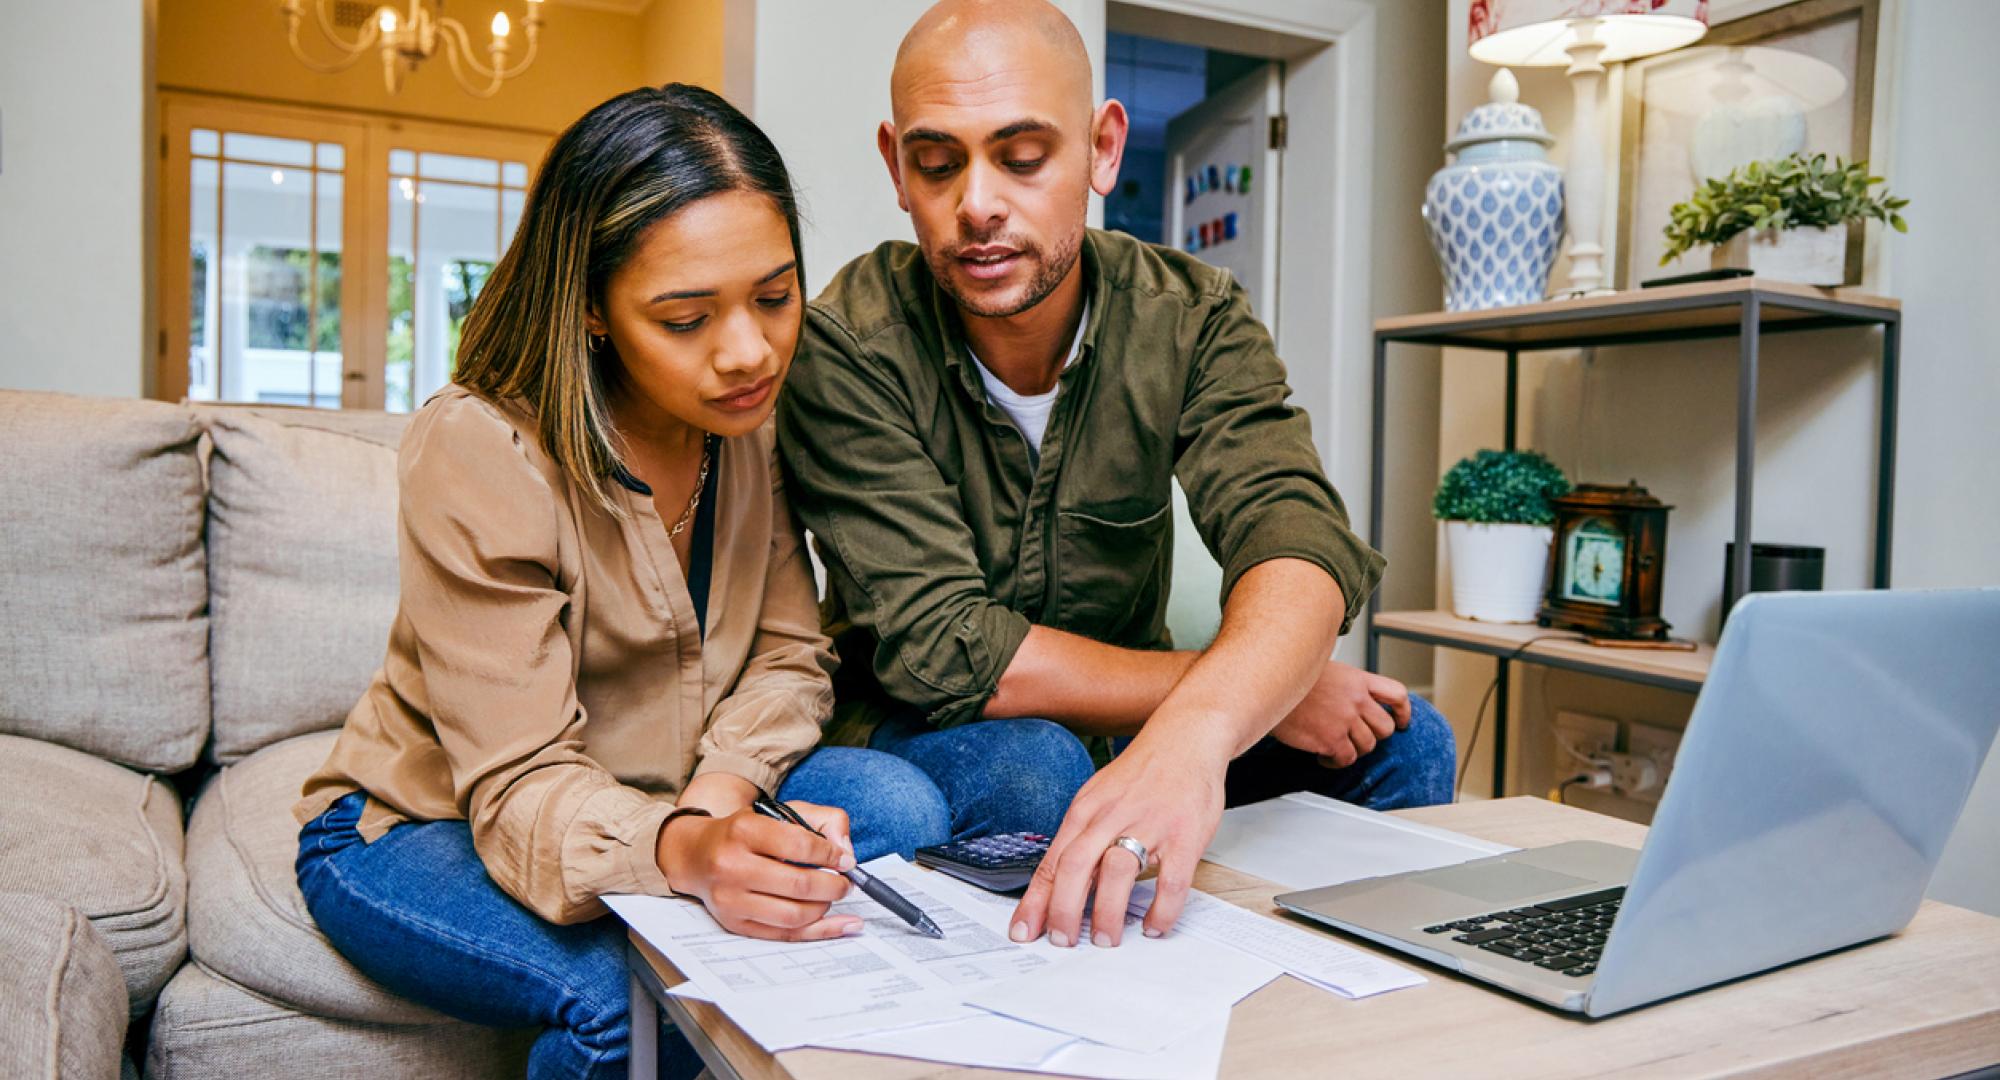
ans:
x=787 y=994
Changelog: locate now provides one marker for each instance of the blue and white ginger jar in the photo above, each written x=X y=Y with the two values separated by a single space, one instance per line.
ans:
x=1495 y=214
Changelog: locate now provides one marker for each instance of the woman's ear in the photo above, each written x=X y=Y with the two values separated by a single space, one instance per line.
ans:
x=593 y=323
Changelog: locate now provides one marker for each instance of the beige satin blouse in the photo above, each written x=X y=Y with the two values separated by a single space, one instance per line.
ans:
x=546 y=679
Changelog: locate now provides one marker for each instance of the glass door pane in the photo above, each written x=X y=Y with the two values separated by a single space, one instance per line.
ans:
x=264 y=269
x=450 y=217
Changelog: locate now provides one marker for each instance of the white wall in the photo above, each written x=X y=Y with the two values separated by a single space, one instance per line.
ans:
x=75 y=197
x=1945 y=270
x=819 y=86
x=1664 y=414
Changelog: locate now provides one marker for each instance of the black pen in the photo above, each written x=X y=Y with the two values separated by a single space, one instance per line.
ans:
x=875 y=888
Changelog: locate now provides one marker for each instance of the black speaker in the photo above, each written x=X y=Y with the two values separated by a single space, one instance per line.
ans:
x=1775 y=568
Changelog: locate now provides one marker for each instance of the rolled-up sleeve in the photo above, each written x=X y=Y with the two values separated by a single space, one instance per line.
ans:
x=479 y=551
x=772 y=716
x=1246 y=459
x=897 y=549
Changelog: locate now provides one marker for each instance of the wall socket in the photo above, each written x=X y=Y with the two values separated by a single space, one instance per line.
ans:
x=1580 y=737
x=1643 y=742
x=1641 y=757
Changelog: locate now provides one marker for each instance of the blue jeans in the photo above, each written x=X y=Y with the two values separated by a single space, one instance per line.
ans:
x=1414 y=767
x=993 y=776
x=416 y=912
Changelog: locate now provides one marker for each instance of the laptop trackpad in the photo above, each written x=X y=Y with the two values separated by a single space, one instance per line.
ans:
x=1500 y=881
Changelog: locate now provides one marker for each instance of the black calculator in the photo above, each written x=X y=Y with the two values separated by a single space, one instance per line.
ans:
x=1001 y=863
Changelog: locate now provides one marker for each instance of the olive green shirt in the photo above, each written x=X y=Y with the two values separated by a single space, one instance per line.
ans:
x=945 y=538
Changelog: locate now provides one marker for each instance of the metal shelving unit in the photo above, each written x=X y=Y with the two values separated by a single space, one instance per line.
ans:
x=1745 y=308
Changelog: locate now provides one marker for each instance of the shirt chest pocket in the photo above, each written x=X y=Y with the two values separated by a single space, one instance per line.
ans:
x=1111 y=566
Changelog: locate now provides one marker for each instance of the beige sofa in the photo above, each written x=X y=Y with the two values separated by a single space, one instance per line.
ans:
x=193 y=598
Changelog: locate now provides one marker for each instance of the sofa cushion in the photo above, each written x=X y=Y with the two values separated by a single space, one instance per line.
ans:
x=207 y=1026
x=247 y=920
x=104 y=840
x=103 y=578
x=302 y=567
x=62 y=999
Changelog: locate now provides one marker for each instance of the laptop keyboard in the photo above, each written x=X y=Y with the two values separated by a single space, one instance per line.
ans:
x=1561 y=935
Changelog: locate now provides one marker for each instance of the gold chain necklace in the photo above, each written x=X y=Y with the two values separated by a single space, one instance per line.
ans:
x=700 y=482
x=701 y=485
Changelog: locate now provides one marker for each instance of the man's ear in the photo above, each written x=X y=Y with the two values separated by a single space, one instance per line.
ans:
x=1108 y=129
x=885 y=141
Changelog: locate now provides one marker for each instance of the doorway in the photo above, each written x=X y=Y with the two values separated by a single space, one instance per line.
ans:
x=1200 y=174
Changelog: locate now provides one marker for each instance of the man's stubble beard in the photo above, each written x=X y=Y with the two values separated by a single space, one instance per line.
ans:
x=1049 y=273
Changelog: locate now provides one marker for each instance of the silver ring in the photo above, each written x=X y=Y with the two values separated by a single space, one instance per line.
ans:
x=1137 y=849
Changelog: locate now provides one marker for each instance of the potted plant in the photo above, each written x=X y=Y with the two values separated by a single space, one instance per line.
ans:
x=1495 y=506
x=1785 y=219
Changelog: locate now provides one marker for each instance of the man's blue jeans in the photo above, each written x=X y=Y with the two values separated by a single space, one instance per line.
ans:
x=1001 y=776
x=416 y=912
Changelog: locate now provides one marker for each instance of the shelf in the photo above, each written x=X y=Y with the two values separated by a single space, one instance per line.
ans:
x=1706 y=309
x=1684 y=671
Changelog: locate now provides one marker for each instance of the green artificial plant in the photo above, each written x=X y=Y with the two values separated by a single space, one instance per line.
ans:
x=1500 y=487
x=1796 y=192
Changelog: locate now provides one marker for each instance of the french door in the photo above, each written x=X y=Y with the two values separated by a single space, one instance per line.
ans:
x=326 y=259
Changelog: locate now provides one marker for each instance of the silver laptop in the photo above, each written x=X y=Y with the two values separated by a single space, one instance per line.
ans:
x=1827 y=760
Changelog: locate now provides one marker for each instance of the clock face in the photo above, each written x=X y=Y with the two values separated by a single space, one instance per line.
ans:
x=1593 y=564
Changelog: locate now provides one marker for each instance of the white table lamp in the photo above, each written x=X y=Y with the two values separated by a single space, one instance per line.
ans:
x=1584 y=35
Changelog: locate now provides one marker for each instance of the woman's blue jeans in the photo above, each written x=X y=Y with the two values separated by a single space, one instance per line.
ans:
x=416 y=911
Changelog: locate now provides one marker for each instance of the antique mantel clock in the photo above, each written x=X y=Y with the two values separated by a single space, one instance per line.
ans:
x=1606 y=563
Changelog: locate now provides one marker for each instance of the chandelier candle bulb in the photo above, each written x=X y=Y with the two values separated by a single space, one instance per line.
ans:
x=406 y=41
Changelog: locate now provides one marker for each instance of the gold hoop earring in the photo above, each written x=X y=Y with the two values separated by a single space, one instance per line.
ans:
x=595 y=342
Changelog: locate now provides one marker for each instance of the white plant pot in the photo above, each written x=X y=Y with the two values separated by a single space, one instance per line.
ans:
x=1807 y=256
x=1498 y=572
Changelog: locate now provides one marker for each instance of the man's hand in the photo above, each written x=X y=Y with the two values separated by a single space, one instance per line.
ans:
x=1168 y=798
x=1345 y=714
x=760 y=877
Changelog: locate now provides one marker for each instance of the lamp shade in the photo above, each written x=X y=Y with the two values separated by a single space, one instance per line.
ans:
x=1536 y=33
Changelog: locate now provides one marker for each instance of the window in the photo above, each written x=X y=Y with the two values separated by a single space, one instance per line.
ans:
x=286 y=278
x=450 y=217
x=262 y=259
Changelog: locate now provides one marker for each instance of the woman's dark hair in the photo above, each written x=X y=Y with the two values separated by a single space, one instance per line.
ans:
x=625 y=166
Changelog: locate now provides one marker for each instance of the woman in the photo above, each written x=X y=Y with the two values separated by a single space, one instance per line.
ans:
x=607 y=643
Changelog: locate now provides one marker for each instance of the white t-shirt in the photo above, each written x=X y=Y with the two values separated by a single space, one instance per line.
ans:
x=1030 y=412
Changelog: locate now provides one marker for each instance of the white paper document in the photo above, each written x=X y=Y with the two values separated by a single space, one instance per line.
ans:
x=787 y=994
x=1305 y=841
x=1140 y=996
x=1305 y=954
x=983 y=1040
x=990 y=1041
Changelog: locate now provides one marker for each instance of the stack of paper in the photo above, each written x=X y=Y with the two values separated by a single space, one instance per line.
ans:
x=1153 y=1008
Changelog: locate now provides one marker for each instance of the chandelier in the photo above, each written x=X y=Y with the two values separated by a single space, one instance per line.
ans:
x=408 y=38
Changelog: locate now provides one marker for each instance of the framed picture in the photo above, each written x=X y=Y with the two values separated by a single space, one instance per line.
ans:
x=1798 y=78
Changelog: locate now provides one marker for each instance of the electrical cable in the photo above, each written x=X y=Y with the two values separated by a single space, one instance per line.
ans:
x=1479 y=717
x=1560 y=793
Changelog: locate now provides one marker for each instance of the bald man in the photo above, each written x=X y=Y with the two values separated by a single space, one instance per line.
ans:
x=983 y=431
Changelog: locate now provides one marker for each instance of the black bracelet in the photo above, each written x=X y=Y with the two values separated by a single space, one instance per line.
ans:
x=680 y=811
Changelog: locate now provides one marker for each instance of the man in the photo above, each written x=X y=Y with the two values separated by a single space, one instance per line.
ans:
x=983 y=430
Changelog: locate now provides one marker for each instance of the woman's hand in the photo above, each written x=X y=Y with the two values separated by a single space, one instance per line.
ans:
x=741 y=868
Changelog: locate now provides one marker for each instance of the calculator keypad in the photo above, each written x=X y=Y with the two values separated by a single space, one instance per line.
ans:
x=1001 y=863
